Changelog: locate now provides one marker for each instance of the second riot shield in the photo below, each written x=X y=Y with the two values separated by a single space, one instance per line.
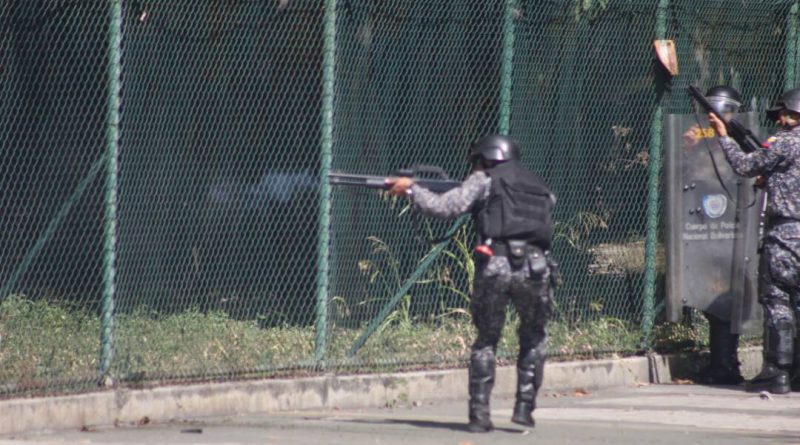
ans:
x=712 y=226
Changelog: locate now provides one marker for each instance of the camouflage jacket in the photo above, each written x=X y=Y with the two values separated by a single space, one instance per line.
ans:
x=473 y=192
x=779 y=164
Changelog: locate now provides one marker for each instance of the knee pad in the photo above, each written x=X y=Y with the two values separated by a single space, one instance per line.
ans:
x=532 y=361
x=779 y=346
x=482 y=362
x=530 y=357
x=779 y=333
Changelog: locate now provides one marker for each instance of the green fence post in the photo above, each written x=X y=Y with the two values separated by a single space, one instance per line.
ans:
x=653 y=183
x=112 y=153
x=507 y=68
x=328 y=78
x=791 y=49
x=506 y=80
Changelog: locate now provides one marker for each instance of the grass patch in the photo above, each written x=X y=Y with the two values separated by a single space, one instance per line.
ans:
x=43 y=341
x=42 y=344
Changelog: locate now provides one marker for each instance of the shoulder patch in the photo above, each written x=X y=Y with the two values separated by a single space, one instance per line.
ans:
x=769 y=141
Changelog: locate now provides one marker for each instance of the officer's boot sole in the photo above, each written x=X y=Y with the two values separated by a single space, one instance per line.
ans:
x=480 y=426
x=523 y=414
x=776 y=385
x=480 y=420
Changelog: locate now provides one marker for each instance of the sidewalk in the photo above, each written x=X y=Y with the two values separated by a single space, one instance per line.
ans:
x=168 y=404
x=650 y=414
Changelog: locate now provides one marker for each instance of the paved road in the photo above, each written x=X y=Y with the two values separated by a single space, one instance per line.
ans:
x=664 y=414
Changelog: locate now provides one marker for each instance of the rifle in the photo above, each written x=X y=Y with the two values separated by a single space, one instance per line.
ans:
x=743 y=137
x=736 y=130
x=439 y=185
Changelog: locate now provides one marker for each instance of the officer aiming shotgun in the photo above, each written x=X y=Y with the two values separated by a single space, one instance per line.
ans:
x=511 y=208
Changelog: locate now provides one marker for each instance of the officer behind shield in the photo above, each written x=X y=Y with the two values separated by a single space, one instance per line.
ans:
x=779 y=264
x=511 y=209
x=723 y=367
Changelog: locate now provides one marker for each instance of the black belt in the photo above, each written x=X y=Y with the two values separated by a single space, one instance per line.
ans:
x=500 y=248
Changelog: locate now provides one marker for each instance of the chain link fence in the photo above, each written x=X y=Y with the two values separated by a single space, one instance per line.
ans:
x=166 y=214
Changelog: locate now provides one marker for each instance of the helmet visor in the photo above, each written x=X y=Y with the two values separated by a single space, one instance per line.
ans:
x=724 y=105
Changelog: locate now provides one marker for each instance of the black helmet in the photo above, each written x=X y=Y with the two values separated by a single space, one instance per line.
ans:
x=496 y=148
x=724 y=99
x=789 y=101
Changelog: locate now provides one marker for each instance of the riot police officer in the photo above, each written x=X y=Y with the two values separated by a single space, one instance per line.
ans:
x=779 y=266
x=723 y=367
x=512 y=213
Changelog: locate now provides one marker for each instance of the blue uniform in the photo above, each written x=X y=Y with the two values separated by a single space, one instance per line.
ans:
x=496 y=284
x=779 y=264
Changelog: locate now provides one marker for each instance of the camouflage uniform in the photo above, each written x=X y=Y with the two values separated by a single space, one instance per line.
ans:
x=496 y=283
x=779 y=266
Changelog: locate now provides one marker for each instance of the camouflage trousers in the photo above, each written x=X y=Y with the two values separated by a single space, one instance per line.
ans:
x=497 y=285
x=490 y=298
x=531 y=299
x=779 y=292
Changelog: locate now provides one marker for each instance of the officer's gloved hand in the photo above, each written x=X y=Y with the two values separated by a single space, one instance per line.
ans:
x=399 y=186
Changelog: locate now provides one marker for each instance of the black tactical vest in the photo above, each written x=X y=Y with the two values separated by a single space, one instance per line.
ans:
x=519 y=207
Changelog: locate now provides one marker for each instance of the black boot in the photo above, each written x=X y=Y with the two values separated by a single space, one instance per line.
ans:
x=774 y=376
x=481 y=382
x=530 y=373
x=523 y=413
x=723 y=367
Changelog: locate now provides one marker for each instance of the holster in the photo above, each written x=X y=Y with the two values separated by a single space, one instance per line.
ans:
x=517 y=251
x=520 y=251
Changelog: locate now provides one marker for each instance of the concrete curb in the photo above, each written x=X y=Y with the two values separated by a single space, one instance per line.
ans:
x=134 y=406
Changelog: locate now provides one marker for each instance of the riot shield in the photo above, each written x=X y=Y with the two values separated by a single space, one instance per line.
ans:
x=713 y=221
